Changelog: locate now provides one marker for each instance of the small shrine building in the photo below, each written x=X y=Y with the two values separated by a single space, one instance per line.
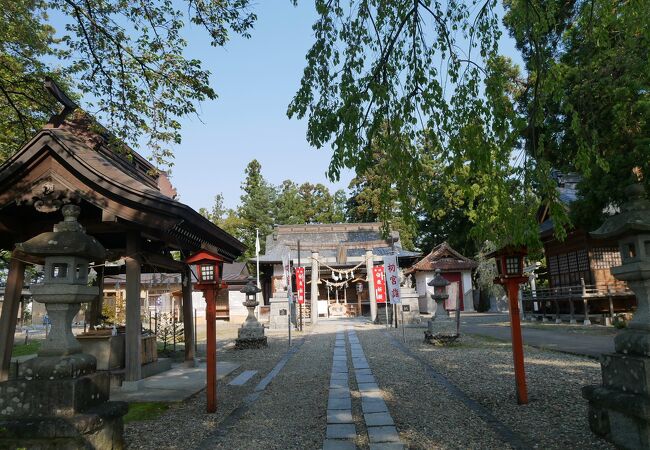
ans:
x=455 y=268
x=126 y=204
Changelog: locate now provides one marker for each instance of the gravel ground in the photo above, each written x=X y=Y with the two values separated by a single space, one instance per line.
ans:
x=186 y=424
x=556 y=416
x=292 y=412
x=426 y=416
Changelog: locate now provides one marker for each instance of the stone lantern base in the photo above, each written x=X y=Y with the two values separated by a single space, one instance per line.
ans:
x=619 y=409
x=252 y=337
x=251 y=333
x=60 y=413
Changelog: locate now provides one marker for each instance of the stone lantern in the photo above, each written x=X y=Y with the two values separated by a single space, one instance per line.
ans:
x=58 y=394
x=619 y=410
x=251 y=333
x=439 y=295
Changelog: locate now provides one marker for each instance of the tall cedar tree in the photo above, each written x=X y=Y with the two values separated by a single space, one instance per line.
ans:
x=256 y=208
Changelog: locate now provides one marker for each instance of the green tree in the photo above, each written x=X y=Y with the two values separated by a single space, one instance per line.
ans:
x=289 y=206
x=397 y=74
x=256 y=208
x=587 y=99
x=126 y=59
x=225 y=218
x=373 y=197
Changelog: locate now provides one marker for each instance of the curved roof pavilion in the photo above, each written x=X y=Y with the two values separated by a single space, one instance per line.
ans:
x=126 y=204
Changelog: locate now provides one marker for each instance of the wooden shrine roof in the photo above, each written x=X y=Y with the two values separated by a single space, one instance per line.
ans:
x=445 y=258
x=73 y=159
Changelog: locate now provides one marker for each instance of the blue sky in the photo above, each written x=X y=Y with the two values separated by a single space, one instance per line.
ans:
x=255 y=79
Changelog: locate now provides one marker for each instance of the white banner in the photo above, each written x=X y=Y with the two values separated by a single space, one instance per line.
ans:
x=392 y=279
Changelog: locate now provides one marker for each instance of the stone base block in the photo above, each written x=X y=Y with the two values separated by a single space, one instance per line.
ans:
x=100 y=427
x=55 y=367
x=246 y=343
x=631 y=341
x=412 y=315
x=33 y=398
x=626 y=373
x=279 y=315
x=620 y=417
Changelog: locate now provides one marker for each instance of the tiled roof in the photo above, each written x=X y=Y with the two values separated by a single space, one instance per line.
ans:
x=443 y=257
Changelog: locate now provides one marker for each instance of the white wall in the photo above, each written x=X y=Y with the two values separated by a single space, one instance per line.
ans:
x=468 y=297
x=238 y=311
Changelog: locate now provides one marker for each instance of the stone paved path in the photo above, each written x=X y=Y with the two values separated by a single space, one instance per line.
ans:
x=341 y=430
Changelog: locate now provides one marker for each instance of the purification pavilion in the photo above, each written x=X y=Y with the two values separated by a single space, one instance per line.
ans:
x=337 y=259
x=125 y=203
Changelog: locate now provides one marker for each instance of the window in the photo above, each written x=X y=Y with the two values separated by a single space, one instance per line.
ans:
x=512 y=265
x=606 y=257
x=59 y=270
x=207 y=272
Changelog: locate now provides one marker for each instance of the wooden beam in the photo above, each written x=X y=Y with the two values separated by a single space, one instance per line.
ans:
x=15 y=280
x=133 y=354
x=163 y=262
x=188 y=316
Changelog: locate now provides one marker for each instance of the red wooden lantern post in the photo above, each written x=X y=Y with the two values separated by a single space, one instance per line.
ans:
x=208 y=270
x=510 y=268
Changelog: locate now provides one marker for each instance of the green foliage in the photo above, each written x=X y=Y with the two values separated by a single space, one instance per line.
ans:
x=424 y=82
x=169 y=331
x=145 y=411
x=126 y=59
x=256 y=209
x=587 y=102
x=30 y=348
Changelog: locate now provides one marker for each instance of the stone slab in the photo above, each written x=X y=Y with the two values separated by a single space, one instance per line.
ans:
x=340 y=403
x=340 y=416
x=338 y=444
x=373 y=405
x=339 y=393
x=360 y=364
x=363 y=387
x=339 y=384
x=341 y=431
x=363 y=372
x=339 y=368
x=173 y=385
x=378 y=419
x=365 y=379
x=243 y=378
x=383 y=434
x=367 y=395
x=339 y=376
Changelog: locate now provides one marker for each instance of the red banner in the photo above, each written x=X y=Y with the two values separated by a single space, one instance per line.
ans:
x=380 y=283
x=300 y=284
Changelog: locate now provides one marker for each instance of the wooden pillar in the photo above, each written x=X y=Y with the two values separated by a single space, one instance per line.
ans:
x=611 y=304
x=188 y=319
x=133 y=354
x=584 y=301
x=211 y=347
x=13 y=290
x=371 y=285
x=517 y=342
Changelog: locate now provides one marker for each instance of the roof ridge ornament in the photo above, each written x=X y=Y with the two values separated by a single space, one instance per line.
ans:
x=60 y=96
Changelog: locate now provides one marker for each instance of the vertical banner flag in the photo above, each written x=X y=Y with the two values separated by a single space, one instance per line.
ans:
x=380 y=284
x=392 y=279
x=300 y=284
